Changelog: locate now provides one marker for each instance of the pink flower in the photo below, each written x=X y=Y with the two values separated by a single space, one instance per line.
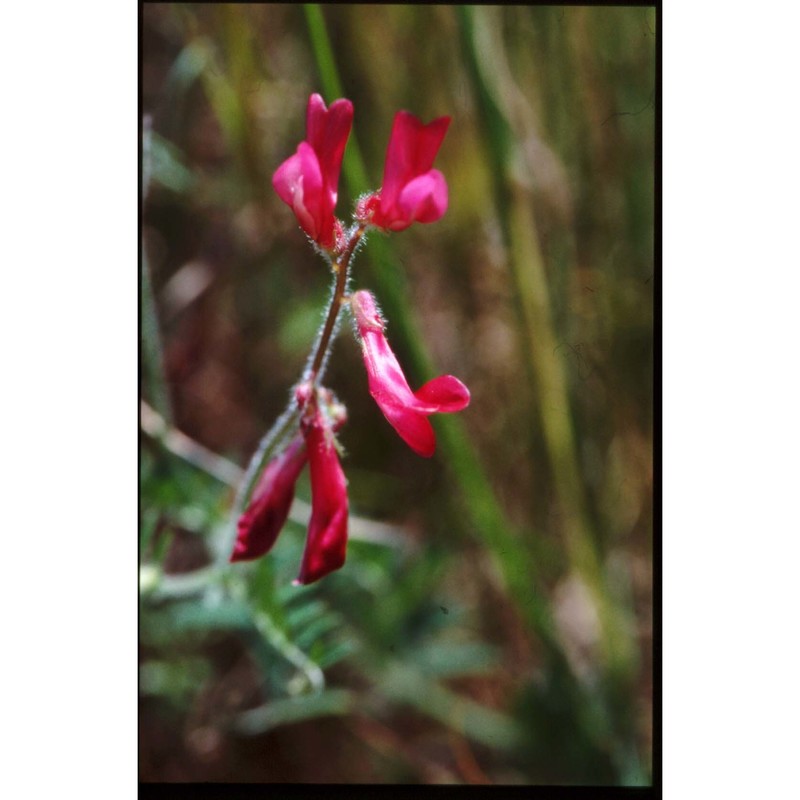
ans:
x=259 y=526
x=308 y=181
x=406 y=411
x=411 y=190
x=327 y=530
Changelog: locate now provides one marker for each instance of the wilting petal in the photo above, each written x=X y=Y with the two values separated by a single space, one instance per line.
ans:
x=326 y=545
x=262 y=521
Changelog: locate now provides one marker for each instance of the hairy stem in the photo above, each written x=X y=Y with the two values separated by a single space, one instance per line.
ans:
x=342 y=269
x=289 y=419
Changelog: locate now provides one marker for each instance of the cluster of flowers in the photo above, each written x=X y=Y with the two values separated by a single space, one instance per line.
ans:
x=411 y=191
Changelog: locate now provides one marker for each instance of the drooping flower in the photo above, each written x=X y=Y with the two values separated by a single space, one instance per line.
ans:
x=259 y=526
x=411 y=191
x=326 y=544
x=406 y=411
x=308 y=181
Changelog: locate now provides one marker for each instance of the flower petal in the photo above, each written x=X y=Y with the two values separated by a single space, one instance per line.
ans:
x=308 y=180
x=262 y=521
x=423 y=199
x=298 y=182
x=411 y=151
x=327 y=131
x=386 y=378
x=327 y=530
x=412 y=426
x=446 y=392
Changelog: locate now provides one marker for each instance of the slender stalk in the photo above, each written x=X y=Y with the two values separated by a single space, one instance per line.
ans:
x=289 y=419
x=342 y=269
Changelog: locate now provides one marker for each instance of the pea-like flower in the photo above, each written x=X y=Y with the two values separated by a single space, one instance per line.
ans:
x=411 y=191
x=308 y=181
x=326 y=544
x=262 y=521
x=406 y=411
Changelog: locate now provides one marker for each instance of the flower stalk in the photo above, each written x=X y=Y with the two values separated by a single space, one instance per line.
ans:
x=341 y=268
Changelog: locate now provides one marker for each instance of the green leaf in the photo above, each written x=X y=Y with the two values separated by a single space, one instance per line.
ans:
x=315 y=630
x=177 y=680
x=167 y=165
x=307 y=613
x=448 y=659
x=403 y=683
x=228 y=616
x=336 y=653
x=328 y=702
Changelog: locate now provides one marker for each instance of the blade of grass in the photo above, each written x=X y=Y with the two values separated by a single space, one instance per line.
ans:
x=528 y=271
x=152 y=355
x=483 y=725
x=329 y=702
x=492 y=84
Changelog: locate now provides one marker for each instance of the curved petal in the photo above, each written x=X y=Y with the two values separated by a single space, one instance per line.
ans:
x=411 y=151
x=327 y=530
x=387 y=383
x=327 y=131
x=287 y=177
x=262 y=521
x=397 y=167
x=412 y=426
x=429 y=141
x=406 y=411
x=326 y=548
x=446 y=392
x=423 y=199
x=298 y=182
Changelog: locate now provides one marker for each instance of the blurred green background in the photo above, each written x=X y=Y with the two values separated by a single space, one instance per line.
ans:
x=493 y=622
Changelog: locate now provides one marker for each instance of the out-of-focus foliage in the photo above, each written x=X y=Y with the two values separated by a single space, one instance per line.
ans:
x=493 y=621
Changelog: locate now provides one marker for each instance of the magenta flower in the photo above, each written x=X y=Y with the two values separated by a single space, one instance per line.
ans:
x=406 y=411
x=411 y=190
x=259 y=526
x=308 y=181
x=327 y=530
